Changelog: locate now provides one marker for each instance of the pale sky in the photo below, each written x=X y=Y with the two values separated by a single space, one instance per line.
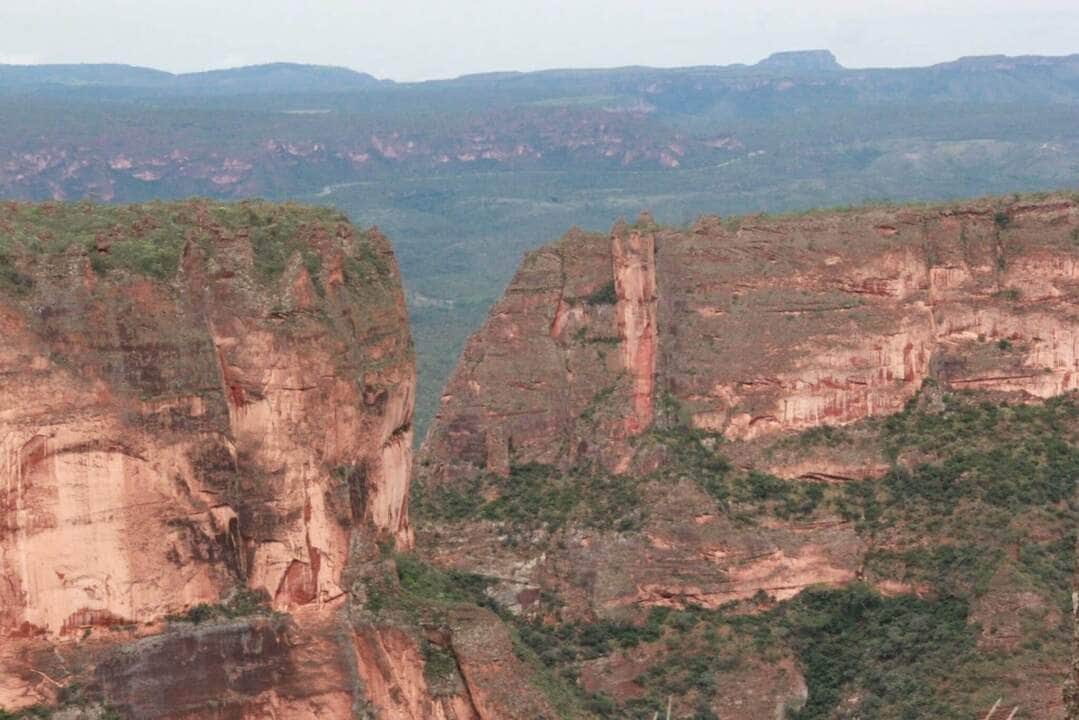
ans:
x=414 y=39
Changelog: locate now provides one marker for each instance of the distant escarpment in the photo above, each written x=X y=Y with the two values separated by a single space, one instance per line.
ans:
x=819 y=465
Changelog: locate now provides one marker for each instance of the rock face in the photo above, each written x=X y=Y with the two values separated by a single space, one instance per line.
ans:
x=691 y=374
x=758 y=326
x=1071 y=689
x=195 y=399
x=205 y=456
x=163 y=439
x=488 y=683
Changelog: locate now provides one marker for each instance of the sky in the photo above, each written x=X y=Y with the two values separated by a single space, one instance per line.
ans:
x=424 y=39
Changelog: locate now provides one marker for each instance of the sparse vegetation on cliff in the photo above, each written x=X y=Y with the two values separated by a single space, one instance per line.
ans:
x=744 y=494
x=35 y=711
x=603 y=295
x=242 y=603
x=69 y=709
x=148 y=239
x=978 y=502
x=535 y=497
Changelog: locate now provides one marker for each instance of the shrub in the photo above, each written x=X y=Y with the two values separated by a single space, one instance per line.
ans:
x=893 y=651
x=539 y=496
x=243 y=603
x=603 y=295
x=11 y=279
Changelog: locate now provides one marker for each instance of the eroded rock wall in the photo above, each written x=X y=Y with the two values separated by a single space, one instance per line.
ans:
x=607 y=352
x=194 y=400
x=1071 y=688
x=753 y=326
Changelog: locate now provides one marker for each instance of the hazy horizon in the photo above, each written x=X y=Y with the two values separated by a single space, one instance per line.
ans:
x=408 y=40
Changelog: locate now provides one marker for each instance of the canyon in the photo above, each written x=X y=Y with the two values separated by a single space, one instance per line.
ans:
x=468 y=174
x=206 y=433
x=814 y=466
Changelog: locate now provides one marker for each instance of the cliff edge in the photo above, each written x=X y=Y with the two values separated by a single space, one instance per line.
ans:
x=204 y=405
x=821 y=463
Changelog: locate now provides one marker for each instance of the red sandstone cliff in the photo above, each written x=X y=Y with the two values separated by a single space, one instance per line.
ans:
x=197 y=401
x=169 y=439
x=1071 y=689
x=746 y=330
x=163 y=439
x=759 y=325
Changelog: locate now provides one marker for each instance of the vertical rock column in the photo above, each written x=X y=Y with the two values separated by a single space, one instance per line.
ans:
x=634 y=261
x=1071 y=688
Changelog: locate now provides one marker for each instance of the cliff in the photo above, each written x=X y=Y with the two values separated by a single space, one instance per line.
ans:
x=205 y=456
x=779 y=419
x=754 y=326
x=1071 y=689
x=823 y=462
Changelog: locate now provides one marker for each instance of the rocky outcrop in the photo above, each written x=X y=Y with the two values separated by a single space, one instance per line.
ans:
x=755 y=326
x=678 y=373
x=633 y=258
x=391 y=668
x=239 y=669
x=484 y=682
x=1071 y=688
x=196 y=400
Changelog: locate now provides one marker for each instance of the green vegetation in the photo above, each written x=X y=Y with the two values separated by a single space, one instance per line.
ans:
x=439 y=666
x=826 y=435
x=11 y=279
x=896 y=653
x=983 y=479
x=971 y=456
x=243 y=603
x=71 y=697
x=1011 y=294
x=959 y=569
x=421 y=591
x=34 y=711
x=1010 y=456
x=743 y=494
x=147 y=239
x=603 y=295
x=537 y=497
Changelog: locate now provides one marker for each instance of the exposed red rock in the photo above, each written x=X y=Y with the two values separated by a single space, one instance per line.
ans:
x=488 y=682
x=761 y=326
x=1071 y=689
x=236 y=418
x=167 y=440
x=741 y=334
x=390 y=666
x=633 y=257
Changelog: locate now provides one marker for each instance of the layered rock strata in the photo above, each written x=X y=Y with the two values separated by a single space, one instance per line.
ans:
x=754 y=326
x=196 y=401
x=608 y=353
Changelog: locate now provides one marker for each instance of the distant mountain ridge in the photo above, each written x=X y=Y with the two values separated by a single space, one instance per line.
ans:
x=271 y=77
x=287 y=77
x=802 y=60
